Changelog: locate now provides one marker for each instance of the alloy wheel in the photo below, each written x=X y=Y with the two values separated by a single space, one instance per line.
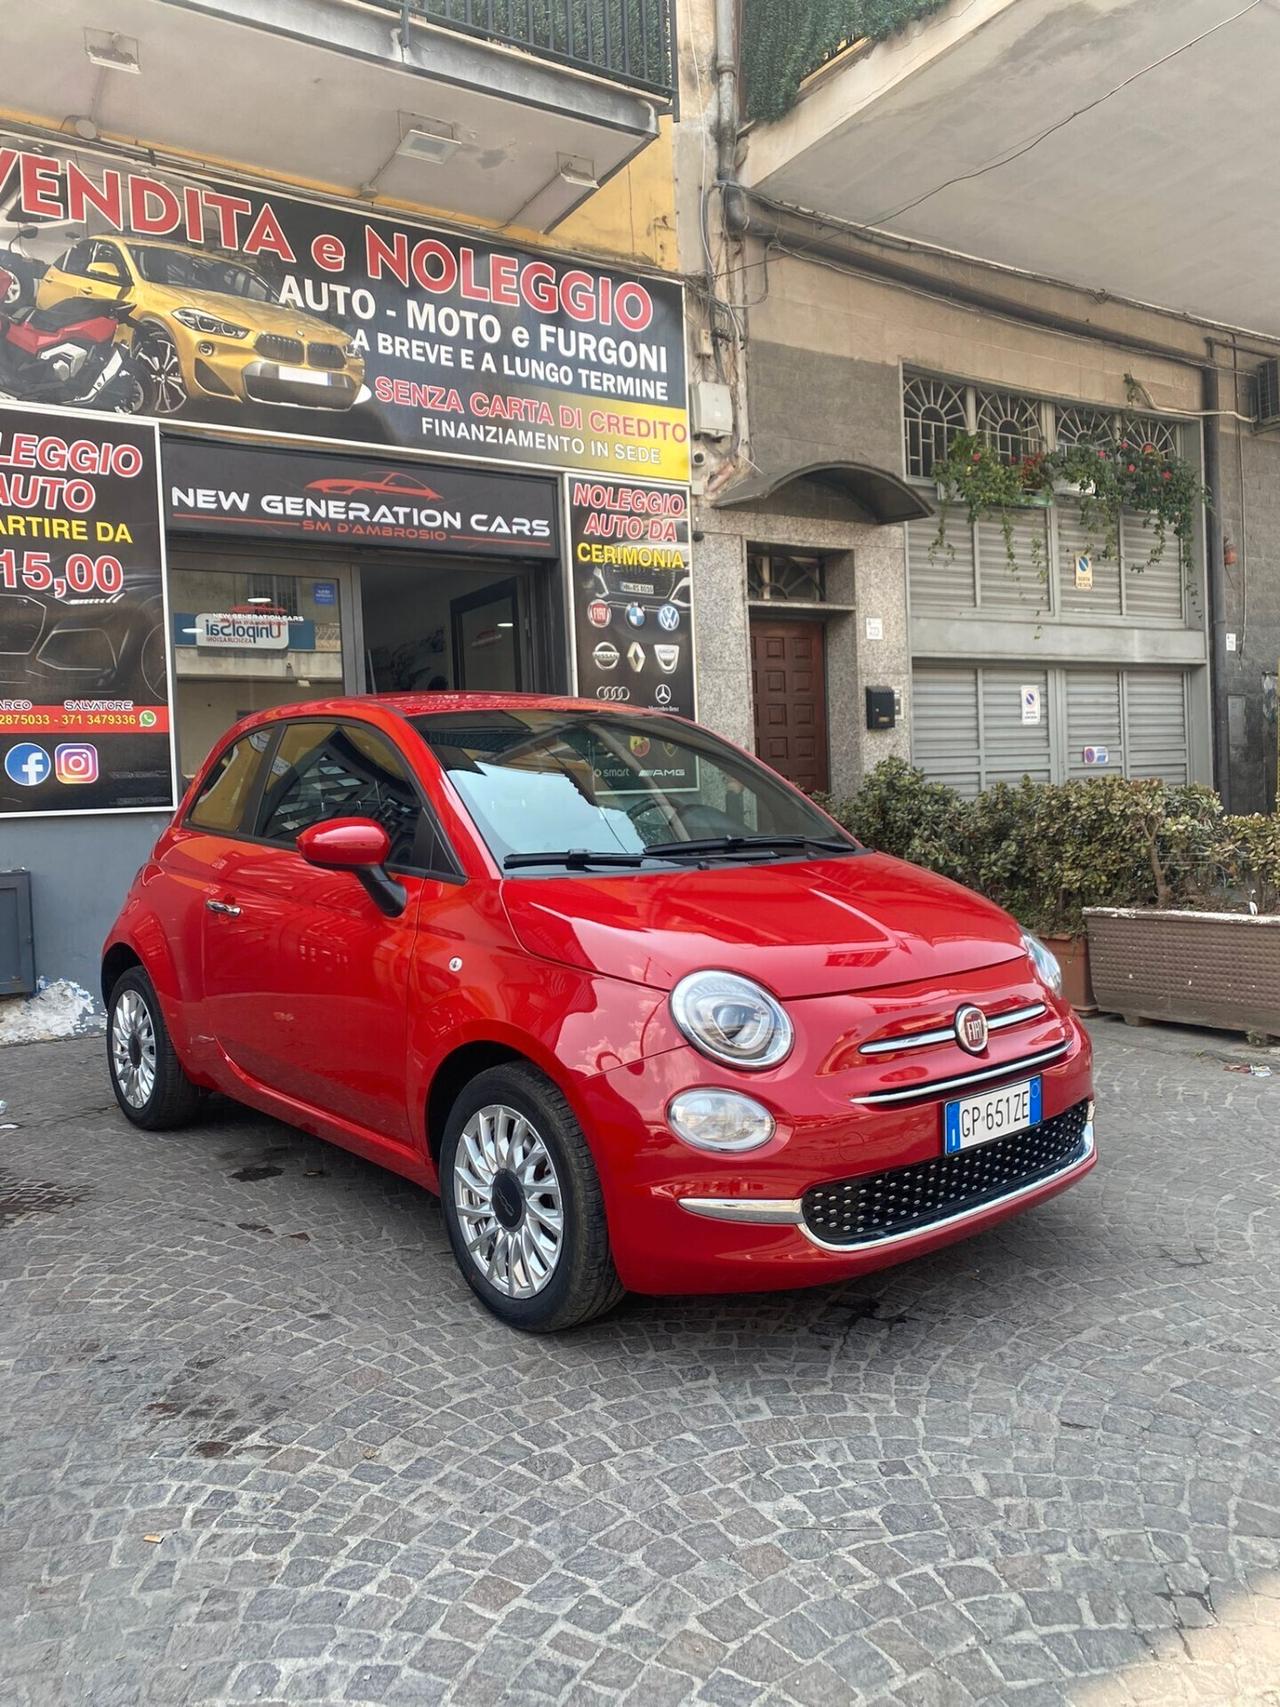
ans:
x=508 y=1199
x=133 y=1049
x=161 y=366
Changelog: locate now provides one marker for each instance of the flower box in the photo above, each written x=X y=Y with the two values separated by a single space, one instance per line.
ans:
x=1214 y=969
x=1072 y=953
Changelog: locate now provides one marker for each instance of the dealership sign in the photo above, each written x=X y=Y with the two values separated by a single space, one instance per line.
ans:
x=632 y=595
x=223 y=488
x=84 y=676
x=283 y=315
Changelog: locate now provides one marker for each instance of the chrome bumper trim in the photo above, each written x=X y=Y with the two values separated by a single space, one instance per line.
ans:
x=763 y=1211
x=947 y=1033
x=936 y=1087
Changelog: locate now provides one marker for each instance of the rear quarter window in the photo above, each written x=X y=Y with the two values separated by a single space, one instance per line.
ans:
x=229 y=786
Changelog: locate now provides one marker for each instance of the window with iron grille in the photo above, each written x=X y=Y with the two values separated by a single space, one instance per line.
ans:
x=936 y=410
x=783 y=577
x=935 y=414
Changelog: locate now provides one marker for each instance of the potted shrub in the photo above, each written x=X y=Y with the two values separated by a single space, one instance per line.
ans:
x=1207 y=952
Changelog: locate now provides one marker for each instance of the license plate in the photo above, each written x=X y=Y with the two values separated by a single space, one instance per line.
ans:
x=979 y=1120
x=305 y=376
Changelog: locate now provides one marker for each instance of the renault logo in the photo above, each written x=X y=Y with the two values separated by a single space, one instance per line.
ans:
x=971 y=1029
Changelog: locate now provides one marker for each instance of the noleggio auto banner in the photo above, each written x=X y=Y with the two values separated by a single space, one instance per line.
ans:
x=84 y=678
x=276 y=314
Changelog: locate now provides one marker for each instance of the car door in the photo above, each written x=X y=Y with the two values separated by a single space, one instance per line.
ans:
x=88 y=269
x=305 y=980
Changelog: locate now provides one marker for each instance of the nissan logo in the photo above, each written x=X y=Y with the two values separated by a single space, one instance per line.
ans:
x=971 y=1029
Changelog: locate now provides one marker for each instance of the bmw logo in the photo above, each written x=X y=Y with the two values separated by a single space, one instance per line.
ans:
x=635 y=615
x=669 y=618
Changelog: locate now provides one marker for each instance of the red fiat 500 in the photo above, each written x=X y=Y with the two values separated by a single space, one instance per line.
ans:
x=640 y=1013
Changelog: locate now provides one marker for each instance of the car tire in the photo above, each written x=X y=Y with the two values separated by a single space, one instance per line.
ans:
x=527 y=1273
x=159 y=370
x=148 y=1080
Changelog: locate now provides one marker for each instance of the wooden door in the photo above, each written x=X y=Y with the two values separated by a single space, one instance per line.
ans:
x=789 y=684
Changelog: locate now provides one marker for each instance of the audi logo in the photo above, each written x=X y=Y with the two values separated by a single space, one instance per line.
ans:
x=614 y=693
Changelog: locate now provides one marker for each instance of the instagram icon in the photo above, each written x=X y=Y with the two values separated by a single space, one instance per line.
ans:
x=75 y=761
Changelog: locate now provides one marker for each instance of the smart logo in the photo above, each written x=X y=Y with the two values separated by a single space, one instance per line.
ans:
x=27 y=765
x=76 y=761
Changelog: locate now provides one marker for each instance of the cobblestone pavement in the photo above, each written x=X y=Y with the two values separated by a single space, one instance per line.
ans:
x=260 y=1445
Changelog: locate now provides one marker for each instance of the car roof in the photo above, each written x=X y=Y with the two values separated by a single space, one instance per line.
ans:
x=439 y=704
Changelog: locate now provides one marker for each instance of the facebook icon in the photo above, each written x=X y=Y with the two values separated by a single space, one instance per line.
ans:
x=27 y=764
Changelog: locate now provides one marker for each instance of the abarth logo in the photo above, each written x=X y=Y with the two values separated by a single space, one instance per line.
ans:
x=971 y=1029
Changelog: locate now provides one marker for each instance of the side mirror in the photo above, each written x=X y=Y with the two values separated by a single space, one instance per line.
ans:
x=359 y=846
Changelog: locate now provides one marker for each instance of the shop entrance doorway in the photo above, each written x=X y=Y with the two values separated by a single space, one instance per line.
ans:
x=447 y=627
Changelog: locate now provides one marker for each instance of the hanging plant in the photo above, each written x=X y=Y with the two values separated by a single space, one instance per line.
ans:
x=1124 y=472
x=984 y=484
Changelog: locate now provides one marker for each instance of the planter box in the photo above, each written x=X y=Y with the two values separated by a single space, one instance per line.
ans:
x=1073 y=957
x=1214 y=969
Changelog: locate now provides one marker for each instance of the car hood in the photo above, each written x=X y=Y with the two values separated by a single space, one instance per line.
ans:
x=802 y=928
x=241 y=310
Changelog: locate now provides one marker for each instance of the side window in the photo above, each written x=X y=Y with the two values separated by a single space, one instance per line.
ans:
x=108 y=256
x=340 y=770
x=76 y=259
x=228 y=788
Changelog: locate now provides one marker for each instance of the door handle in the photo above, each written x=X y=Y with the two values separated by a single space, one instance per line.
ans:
x=222 y=907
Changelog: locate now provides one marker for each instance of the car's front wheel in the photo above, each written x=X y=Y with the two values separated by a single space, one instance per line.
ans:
x=159 y=371
x=146 y=1075
x=523 y=1204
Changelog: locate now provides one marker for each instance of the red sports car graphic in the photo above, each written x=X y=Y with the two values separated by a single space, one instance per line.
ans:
x=394 y=485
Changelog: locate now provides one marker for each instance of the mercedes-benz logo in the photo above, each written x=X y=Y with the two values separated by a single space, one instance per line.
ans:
x=662 y=693
x=971 y=1029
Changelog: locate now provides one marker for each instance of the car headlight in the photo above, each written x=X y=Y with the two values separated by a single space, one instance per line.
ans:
x=209 y=324
x=719 y=1120
x=351 y=351
x=732 y=1019
x=1044 y=961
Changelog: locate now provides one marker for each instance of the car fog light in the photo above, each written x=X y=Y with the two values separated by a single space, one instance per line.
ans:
x=720 y=1120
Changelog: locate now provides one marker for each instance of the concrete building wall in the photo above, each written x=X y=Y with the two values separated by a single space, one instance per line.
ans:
x=78 y=882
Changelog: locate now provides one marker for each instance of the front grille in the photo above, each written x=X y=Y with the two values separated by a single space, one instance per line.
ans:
x=326 y=355
x=902 y=1200
x=278 y=349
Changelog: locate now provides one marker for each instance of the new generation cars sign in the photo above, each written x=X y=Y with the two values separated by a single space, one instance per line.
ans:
x=416 y=506
x=282 y=315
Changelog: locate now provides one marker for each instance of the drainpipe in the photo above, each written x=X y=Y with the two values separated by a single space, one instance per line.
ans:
x=726 y=125
x=1211 y=402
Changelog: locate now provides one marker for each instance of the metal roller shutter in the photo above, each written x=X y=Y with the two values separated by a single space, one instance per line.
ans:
x=1156 y=715
x=1019 y=587
x=1094 y=719
x=1151 y=590
x=1012 y=749
x=967 y=727
x=941 y=578
x=1103 y=598
x=945 y=735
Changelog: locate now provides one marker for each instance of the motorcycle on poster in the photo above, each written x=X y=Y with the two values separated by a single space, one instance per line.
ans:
x=84 y=676
x=276 y=314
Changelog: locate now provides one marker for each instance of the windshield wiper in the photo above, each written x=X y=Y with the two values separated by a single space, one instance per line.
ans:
x=753 y=844
x=573 y=859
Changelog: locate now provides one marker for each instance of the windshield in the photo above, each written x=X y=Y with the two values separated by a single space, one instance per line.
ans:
x=552 y=781
x=183 y=271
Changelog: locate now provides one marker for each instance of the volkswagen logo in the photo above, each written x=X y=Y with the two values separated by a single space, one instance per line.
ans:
x=971 y=1029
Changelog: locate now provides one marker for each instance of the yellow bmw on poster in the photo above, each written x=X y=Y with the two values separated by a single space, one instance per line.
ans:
x=209 y=326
